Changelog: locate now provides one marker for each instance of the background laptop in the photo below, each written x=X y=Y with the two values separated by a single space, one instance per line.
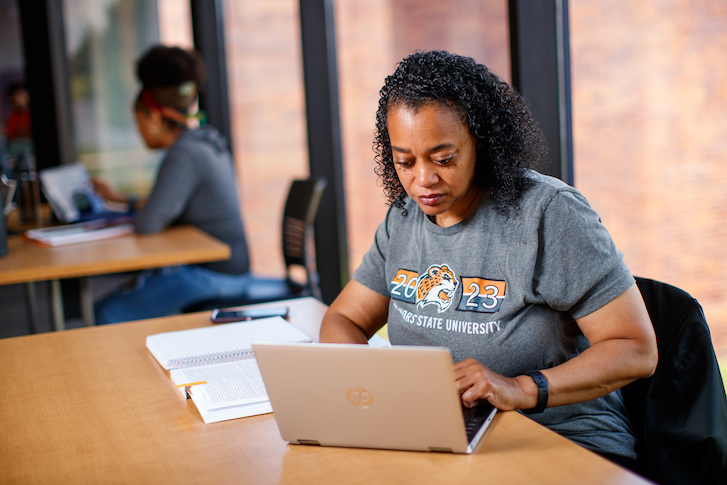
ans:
x=70 y=194
x=360 y=396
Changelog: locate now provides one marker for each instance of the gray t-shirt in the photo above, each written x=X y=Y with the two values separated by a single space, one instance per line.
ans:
x=506 y=291
x=196 y=185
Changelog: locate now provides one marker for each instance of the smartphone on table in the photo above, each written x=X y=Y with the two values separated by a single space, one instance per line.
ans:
x=227 y=315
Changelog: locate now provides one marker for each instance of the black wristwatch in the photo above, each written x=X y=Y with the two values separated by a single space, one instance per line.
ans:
x=542 y=384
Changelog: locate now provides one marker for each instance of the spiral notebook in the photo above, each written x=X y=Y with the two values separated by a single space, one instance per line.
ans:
x=216 y=368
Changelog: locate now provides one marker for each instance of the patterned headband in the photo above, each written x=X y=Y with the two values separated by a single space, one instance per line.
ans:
x=190 y=121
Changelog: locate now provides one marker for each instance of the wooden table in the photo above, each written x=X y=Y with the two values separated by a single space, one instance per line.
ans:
x=91 y=405
x=26 y=263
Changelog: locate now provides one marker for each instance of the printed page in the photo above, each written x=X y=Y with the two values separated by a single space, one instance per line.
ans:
x=232 y=390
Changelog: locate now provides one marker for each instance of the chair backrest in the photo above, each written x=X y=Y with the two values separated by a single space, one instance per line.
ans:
x=679 y=414
x=299 y=215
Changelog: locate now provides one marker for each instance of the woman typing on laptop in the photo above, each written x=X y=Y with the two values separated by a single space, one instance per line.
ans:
x=509 y=269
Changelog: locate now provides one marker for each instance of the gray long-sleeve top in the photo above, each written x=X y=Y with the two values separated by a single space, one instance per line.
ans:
x=196 y=185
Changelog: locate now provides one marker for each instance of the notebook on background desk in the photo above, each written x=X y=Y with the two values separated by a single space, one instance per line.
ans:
x=359 y=396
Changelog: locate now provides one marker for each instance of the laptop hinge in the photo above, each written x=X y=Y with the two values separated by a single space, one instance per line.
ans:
x=309 y=442
x=440 y=449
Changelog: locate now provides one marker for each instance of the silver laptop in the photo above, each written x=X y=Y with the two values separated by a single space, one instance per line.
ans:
x=400 y=398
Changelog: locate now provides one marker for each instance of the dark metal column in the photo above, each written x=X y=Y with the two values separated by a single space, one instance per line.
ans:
x=209 y=40
x=540 y=59
x=47 y=79
x=324 y=141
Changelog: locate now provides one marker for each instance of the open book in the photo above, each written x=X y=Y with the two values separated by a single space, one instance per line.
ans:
x=216 y=367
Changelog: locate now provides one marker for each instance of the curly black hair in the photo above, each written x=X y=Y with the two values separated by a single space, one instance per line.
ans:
x=173 y=75
x=509 y=139
x=165 y=66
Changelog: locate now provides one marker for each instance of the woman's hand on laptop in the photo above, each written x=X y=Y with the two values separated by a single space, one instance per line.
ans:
x=475 y=383
x=110 y=193
x=106 y=190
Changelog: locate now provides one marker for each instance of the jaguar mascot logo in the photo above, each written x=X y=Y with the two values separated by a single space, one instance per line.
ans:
x=436 y=287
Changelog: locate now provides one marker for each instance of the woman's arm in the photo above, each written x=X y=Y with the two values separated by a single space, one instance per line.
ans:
x=355 y=315
x=175 y=186
x=107 y=191
x=622 y=349
x=110 y=193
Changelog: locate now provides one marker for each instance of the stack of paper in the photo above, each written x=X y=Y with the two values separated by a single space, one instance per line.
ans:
x=81 y=232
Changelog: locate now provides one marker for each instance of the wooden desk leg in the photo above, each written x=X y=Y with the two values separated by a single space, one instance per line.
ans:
x=59 y=318
x=89 y=319
x=32 y=303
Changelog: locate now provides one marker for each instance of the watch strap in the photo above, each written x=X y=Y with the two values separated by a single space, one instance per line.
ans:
x=542 y=384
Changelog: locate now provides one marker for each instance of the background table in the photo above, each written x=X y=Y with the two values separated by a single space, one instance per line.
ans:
x=92 y=405
x=26 y=262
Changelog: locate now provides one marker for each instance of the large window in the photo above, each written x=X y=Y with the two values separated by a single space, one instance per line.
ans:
x=650 y=138
x=265 y=80
x=104 y=39
x=12 y=70
x=372 y=36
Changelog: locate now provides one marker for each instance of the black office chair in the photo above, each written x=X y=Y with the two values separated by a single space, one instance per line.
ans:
x=679 y=414
x=298 y=241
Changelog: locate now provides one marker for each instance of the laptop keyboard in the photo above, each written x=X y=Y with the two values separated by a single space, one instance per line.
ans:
x=474 y=418
x=472 y=426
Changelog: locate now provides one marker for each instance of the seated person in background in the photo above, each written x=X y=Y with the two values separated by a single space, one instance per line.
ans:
x=17 y=129
x=195 y=185
x=510 y=269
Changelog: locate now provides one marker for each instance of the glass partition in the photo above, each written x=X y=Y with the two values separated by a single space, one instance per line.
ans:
x=650 y=138
x=265 y=79
x=371 y=37
x=104 y=38
x=12 y=70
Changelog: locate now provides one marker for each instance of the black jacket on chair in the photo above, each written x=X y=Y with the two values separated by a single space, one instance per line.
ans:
x=680 y=413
